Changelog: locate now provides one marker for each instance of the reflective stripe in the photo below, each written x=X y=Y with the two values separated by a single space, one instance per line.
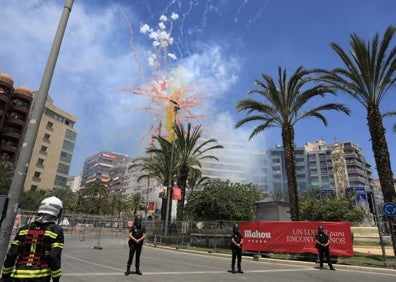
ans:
x=56 y=273
x=23 y=273
x=7 y=270
x=51 y=234
x=57 y=245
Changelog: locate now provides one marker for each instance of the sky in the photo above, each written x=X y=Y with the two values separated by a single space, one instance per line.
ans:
x=122 y=61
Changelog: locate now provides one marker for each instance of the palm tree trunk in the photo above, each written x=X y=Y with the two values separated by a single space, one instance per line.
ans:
x=182 y=185
x=290 y=163
x=381 y=153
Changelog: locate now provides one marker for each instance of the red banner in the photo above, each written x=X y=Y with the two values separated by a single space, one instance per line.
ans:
x=176 y=193
x=295 y=236
x=150 y=206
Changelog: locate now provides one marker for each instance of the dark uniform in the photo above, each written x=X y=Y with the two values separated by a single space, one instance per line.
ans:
x=236 y=248
x=137 y=233
x=35 y=253
x=322 y=244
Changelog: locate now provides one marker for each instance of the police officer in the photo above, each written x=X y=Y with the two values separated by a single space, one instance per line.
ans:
x=322 y=243
x=136 y=234
x=236 y=248
x=35 y=253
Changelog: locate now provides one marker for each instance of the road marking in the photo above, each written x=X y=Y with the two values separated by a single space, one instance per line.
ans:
x=92 y=263
x=185 y=272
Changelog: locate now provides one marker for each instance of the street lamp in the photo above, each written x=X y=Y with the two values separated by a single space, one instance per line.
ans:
x=169 y=188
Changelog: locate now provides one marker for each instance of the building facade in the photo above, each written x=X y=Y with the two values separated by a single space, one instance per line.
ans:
x=105 y=167
x=53 y=150
x=14 y=112
x=327 y=167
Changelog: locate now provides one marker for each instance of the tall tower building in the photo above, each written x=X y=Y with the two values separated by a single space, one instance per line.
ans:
x=14 y=111
x=327 y=167
x=105 y=167
x=53 y=150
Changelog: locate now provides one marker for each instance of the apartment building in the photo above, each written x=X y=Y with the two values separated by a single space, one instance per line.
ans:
x=53 y=150
x=332 y=167
x=14 y=111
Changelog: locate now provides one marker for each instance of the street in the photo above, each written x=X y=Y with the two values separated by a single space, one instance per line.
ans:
x=89 y=260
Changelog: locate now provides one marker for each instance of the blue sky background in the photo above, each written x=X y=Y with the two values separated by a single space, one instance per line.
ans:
x=222 y=45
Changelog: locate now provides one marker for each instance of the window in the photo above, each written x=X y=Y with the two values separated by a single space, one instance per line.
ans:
x=33 y=188
x=70 y=135
x=62 y=168
x=40 y=163
x=65 y=157
x=46 y=137
x=50 y=125
x=37 y=174
x=67 y=145
x=43 y=148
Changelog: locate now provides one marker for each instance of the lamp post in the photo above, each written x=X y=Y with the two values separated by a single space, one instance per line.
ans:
x=169 y=188
x=30 y=135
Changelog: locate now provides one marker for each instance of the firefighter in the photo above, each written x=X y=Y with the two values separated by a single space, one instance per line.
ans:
x=322 y=241
x=236 y=248
x=136 y=235
x=35 y=253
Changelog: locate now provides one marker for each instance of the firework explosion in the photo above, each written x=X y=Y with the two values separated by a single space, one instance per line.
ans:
x=167 y=91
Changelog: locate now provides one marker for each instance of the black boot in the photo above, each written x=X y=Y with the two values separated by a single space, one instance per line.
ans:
x=128 y=271
x=138 y=272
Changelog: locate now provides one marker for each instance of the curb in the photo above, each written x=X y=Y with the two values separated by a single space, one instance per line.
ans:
x=281 y=261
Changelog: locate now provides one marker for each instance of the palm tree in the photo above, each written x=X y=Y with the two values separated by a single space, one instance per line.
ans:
x=369 y=71
x=190 y=149
x=157 y=165
x=391 y=114
x=283 y=107
x=136 y=201
x=93 y=196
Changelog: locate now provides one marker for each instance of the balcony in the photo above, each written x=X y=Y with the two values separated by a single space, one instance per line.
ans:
x=4 y=98
x=15 y=120
x=12 y=133
x=22 y=108
x=9 y=147
x=23 y=93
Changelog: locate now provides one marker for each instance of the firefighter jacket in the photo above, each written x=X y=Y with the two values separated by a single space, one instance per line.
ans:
x=35 y=252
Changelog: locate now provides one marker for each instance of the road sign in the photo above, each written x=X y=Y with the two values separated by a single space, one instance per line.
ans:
x=389 y=209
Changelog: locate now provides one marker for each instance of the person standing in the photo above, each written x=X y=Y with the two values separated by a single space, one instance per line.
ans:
x=236 y=248
x=136 y=234
x=35 y=253
x=322 y=241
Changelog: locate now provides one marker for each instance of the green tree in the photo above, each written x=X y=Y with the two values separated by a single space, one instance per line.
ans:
x=283 y=107
x=30 y=200
x=223 y=200
x=190 y=150
x=328 y=208
x=157 y=165
x=6 y=175
x=93 y=197
x=368 y=73
x=136 y=201
x=276 y=195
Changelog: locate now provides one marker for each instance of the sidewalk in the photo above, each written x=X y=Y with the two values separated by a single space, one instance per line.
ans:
x=373 y=250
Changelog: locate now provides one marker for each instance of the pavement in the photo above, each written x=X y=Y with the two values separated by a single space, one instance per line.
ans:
x=373 y=250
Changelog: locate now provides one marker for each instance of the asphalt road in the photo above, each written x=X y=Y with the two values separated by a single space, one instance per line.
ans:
x=89 y=260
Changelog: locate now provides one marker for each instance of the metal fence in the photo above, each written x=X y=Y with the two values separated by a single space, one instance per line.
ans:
x=208 y=234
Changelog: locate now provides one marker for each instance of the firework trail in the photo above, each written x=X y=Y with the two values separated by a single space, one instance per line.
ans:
x=169 y=80
x=165 y=84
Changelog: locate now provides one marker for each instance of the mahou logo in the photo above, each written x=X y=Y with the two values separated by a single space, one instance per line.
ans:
x=257 y=234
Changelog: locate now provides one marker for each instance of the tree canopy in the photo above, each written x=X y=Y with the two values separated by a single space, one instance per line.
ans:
x=223 y=200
